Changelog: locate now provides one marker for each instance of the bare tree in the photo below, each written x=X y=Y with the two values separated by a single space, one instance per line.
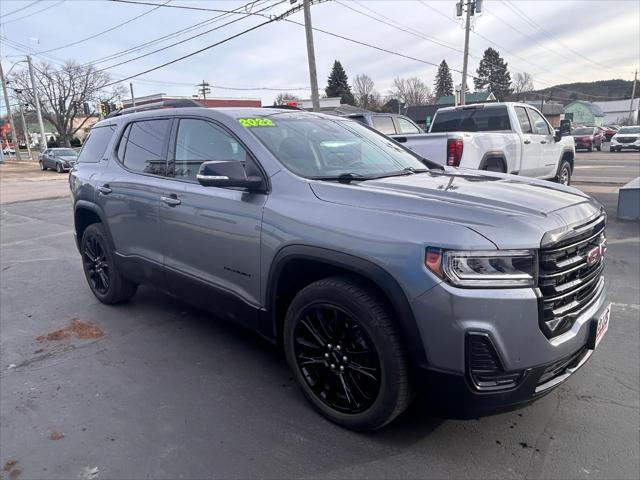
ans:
x=285 y=97
x=63 y=92
x=522 y=84
x=365 y=94
x=411 y=91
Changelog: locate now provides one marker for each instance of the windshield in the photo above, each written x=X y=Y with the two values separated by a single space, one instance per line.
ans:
x=317 y=147
x=65 y=152
x=582 y=131
x=624 y=130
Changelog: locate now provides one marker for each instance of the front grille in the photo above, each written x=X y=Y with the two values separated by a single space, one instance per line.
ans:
x=568 y=280
x=626 y=139
x=484 y=365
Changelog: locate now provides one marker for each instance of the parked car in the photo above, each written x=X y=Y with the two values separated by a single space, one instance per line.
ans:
x=626 y=138
x=388 y=123
x=587 y=138
x=59 y=159
x=500 y=137
x=608 y=132
x=379 y=272
x=8 y=148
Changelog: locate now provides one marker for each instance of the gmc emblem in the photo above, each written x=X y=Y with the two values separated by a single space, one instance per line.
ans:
x=596 y=254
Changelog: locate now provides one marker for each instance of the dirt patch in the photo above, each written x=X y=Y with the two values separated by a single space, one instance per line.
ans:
x=56 y=436
x=10 y=467
x=77 y=328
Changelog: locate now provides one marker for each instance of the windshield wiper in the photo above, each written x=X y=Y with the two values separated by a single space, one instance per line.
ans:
x=344 y=177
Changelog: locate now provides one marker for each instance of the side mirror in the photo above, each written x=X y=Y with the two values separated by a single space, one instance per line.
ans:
x=227 y=174
x=558 y=136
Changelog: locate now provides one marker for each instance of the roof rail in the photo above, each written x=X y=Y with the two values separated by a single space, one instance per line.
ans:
x=178 y=103
x=283 y=107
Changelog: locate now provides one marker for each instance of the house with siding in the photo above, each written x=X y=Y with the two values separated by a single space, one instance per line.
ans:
x=584 y=113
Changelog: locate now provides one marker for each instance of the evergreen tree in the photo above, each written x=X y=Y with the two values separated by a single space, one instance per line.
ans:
x=338 y=84
x=492 y=75
x=444 y=83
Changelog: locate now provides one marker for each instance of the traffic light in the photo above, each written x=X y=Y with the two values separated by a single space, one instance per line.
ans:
x=86 y=108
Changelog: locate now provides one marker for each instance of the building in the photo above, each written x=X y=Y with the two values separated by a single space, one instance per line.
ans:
x=554 y=112
x=331 y=106
x=209 y=102
x=616 y=112
x=476 y=97
x=584 y=113
x=84 y=124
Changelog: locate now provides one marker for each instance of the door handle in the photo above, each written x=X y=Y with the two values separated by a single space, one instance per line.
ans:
x=543 y=141
x=527 y=142
x=172 y=200
x=105 y=189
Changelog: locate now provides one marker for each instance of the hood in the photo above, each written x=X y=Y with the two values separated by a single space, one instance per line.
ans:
x=68 y=158
x=510 y=211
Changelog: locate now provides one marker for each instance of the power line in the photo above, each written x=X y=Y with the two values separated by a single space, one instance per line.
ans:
x=18 y=9
x=184 y=40
x=104 y=31
x=170 y=35
x=33 y=13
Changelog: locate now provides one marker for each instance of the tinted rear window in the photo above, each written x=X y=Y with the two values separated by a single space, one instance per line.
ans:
x=472 y=120
x=144 y=150
x=96 y=144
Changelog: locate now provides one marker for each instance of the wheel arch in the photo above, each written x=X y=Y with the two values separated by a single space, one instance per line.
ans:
x=297 y=266
x=493 y=155
x=568 y=155
x=86 y=213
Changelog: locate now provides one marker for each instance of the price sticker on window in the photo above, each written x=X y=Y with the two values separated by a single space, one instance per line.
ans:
x=256 y=122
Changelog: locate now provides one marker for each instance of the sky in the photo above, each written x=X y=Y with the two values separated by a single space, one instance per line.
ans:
x=555 y=41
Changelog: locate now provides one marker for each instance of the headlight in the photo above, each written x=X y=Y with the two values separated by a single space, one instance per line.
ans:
x=484 y=269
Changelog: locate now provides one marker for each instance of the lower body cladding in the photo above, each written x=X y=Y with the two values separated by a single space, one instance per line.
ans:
x=486 y=352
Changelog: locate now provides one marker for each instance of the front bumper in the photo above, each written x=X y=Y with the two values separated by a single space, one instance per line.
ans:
x=509 y=319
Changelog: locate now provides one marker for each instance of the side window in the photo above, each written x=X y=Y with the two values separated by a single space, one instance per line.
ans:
x=383 y=124
x=540 y=126
x=199 y=141
x=96 y=144
x=523 y=119
x=145 y=145
x=406 y=126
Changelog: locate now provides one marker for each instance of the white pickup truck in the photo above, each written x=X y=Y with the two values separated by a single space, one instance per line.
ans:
x=503 y=137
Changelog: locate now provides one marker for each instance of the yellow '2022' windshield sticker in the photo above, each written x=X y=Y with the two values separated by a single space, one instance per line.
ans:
x=256 y=122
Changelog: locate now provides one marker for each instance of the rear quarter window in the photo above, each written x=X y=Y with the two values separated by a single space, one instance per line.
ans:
x=488 y=119
x=96 y=144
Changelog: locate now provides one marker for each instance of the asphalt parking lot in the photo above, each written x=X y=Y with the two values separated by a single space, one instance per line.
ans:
x=156 y=389
x=606 y=167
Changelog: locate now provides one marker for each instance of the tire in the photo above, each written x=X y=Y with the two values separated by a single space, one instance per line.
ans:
x=361 y=380
x=59 y=168
x=590 y=149
x=599 y=148
x=98 y=264
x=564 y=173
x=42 y=167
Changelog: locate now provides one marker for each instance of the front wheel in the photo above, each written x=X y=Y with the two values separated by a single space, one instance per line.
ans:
x=564 y=173
x=59 y=168
x=346 y=354
x=102 y=274
x=42 y=167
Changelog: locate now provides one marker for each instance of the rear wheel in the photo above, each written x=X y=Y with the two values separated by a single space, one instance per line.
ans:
x=494 y=165
x=346 y=354
x=42 y=167
x=104 y=278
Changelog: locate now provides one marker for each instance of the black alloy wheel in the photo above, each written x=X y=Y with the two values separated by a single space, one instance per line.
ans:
x=337 y=359
x=96 y=265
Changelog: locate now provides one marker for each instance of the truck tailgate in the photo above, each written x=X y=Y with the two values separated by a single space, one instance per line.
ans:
x=432 y=146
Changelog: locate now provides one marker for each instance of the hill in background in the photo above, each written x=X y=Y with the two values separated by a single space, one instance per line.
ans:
x=601 y=90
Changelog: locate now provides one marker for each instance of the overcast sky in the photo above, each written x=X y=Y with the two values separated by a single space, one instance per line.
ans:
x=577 y=41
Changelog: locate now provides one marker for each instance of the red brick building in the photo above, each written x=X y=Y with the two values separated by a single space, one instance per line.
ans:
x=209 y=102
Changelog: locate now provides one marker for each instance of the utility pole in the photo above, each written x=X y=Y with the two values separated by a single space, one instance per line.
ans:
x=633 y=96
x=204 y=89
x=14 y=135
x=133 y=98
x=27 y=139
x=311 y=56
x=473 y=6
x=43 y=138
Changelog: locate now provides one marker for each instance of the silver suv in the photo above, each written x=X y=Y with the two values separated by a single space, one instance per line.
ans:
x=379 y=273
